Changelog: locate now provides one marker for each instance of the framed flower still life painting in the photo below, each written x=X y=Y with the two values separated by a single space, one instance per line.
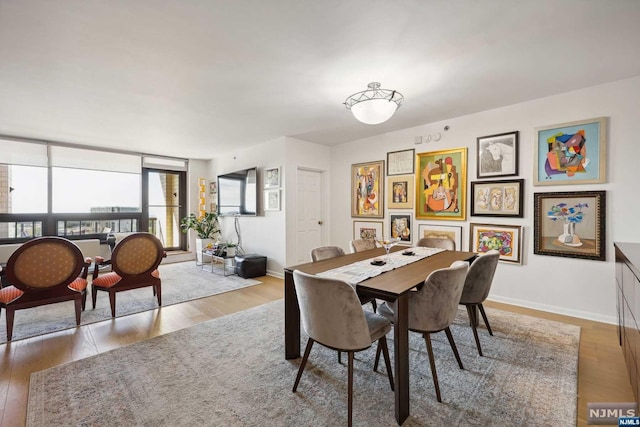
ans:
x=570 y=224
x=367 y=190
x=441 y=183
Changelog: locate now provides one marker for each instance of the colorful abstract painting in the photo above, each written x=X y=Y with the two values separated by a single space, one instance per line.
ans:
x=367 y=189
x=503 y=238
x=441 y=184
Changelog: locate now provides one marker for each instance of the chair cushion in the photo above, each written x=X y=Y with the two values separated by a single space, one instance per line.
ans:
x=79 y=284
x=107 y=280
x=379 y=326
x=156 y=274
x=10 y=294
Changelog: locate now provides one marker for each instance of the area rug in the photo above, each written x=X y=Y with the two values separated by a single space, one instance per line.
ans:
x=181 y=282
x=231 y=371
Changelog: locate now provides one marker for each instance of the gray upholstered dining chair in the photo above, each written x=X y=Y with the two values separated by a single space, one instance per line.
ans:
x=332 y=316
x=359 y=245
x=476 y=289
x=325 y=252
x=437 y=242
x=433 y=308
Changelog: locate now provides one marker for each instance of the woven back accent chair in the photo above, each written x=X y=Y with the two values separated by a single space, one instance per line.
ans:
x=476 y=290
x=44 y=270
x=437 y=242
x=433 y=308
x=359 y=245
x=134 y=264
x=332 y=316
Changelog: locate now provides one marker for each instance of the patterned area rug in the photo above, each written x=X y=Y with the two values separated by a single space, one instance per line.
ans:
x=231 y=371
x=181 y=282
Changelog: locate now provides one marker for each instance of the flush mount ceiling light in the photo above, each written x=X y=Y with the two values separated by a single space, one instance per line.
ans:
x=375 y=105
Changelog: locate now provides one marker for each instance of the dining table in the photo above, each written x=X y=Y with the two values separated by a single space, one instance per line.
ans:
x=393 y=285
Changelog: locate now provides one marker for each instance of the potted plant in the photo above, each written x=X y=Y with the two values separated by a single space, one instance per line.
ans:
x=206 y=227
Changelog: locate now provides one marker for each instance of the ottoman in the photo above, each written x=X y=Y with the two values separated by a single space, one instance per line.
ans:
x=251 y=265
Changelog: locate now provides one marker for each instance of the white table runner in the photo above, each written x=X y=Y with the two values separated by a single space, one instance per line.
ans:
x=363 y=270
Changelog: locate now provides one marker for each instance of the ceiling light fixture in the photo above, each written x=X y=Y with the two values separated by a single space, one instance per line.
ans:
x=375 y=105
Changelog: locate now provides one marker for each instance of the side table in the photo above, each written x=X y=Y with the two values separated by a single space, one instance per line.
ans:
x=227 y=262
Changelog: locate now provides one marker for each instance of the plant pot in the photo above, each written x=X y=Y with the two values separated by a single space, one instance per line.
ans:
x=200 y=245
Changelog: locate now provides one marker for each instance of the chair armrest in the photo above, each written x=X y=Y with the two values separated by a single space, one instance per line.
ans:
x=85 y=267
x=100 y=261
x=164 y=254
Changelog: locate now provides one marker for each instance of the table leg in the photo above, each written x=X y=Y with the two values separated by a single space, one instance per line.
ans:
x=291 y=319
x=401 y=359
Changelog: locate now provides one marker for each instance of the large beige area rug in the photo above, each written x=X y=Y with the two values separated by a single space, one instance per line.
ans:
x=231 y=371
x=181 y=282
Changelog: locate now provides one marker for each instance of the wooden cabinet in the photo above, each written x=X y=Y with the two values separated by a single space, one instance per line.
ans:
x=628 y=307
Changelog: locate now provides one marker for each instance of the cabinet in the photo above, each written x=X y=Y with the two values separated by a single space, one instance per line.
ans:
x=628 y=308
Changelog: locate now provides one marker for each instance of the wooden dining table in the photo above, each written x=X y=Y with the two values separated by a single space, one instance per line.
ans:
x=393 y=285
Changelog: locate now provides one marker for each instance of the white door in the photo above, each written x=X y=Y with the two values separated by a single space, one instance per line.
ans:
x=309 y=213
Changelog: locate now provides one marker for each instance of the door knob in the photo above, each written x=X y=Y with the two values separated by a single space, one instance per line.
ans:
x=319 y=222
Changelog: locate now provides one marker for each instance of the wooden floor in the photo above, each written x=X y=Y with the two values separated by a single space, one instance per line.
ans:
x=602 y=373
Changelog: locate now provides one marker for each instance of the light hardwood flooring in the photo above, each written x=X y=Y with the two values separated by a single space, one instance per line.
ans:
x=602 y=375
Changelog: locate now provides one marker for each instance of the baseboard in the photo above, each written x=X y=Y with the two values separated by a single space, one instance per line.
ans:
x=275 y=274
x=557 y=310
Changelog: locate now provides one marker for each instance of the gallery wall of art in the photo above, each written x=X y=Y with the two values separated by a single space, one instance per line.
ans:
x=562 y=185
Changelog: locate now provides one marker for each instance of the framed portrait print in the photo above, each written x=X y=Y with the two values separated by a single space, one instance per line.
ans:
x=400 y=226
x=367 y=230
x=441 y=183
x=571 y=153
x=400 y=191
x=272 y=200
x=506 y=239
x=272 y=178
x=367 y=190
x=570 y=224
x=497 y=198
x=441 y=232
x=401 y=162
x=498 y=155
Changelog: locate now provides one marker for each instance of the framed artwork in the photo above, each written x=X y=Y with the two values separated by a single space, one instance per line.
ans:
x=401 y=162
x=400 y=191
x=272 y=178
x=441 y=232
x=367 y=189
x=497 y=198
x=498 y=155
x=571 y=153
x=213 y=187
x=441 y=183
x=506 y=239
x=570 y=224
x=400 y=226
x=367 y=230
x=271 y=200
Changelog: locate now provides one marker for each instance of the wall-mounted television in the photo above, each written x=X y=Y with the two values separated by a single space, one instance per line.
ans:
x=238 y=193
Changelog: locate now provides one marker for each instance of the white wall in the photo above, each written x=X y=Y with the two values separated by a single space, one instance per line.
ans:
x=263 y=234
x=576 y=287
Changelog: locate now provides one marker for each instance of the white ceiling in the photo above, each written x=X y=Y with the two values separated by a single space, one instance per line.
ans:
x=195 y=78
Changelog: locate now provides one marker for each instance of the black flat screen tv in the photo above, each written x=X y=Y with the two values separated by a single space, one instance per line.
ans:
x=238 y=193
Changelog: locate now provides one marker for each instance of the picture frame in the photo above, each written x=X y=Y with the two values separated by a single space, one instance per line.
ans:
x=213 y=187
x=497 y=198
x=367 y=190
x=401 y=162
x=498 y=155
x=452 y=232
x=400 y=191
x=571 y=153
x=400 y=227
x=441 y=184
x=272 y=200
x=570 y=224
x=272 y=177
x=368 y=230
x=506 y=239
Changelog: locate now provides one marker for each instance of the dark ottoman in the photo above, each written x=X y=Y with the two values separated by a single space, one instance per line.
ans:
x=251 y=265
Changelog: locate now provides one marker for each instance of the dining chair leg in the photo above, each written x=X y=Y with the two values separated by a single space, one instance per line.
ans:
x=484 y=317
x=112 y=302
x=374 y=304
x=378 y=351
x=350 y=388
x=453 y=346
x=382 y=344
x=78 y=305
x=307 y=350
x=158 y=292
x=339 y=357
x=10 y=312
x=472 y=321
x=432 y=364
x=84 y=300
x=94 y=296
